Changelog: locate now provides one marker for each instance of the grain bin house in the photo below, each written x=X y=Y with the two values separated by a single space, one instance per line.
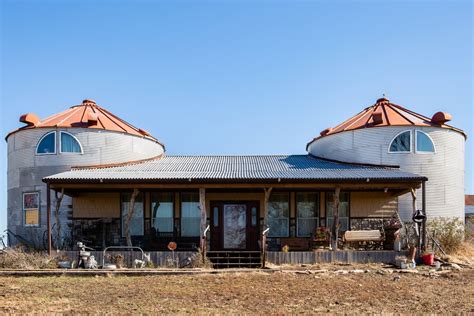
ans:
x=87 y=175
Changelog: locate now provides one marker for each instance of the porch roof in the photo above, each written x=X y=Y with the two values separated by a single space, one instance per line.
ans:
x=212 y=169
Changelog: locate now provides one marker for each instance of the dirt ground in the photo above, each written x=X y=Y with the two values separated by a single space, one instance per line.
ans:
x=248 y=293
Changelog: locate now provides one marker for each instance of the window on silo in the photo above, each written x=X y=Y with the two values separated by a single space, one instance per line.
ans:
x=31 y=209
x=401 y=143
x=69 y=144
x=47 y=144
x=424 y=143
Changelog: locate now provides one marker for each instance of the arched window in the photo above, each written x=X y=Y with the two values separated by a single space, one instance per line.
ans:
x=47 y=144
x=401 y=143
x=424 y=143
x=69 y=144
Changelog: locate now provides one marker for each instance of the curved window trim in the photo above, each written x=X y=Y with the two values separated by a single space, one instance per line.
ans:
x=41 y=139
x=402 y=152
x=67 y=152
x=424 y=152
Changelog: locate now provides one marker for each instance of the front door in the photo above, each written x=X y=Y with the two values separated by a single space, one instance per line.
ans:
x=234 y=225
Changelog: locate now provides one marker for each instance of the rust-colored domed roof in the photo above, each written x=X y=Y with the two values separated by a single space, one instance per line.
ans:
x=85 y=115
x=385 y=113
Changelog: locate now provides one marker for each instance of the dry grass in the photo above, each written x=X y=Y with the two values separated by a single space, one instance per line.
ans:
x=253 y=293
x=18 y=258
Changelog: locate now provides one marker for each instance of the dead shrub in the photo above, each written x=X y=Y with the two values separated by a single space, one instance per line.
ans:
x=448 y=231
x=19 y=258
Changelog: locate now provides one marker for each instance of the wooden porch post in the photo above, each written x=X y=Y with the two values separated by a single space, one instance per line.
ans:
x=48 y=216
x=423 y=207
x=59 y=199
x=131 y=210
x=335 y=223
x=268 y=192
x=202 y=207
x=413 y=254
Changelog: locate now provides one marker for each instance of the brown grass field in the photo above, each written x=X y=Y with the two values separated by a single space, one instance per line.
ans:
x=241 y=293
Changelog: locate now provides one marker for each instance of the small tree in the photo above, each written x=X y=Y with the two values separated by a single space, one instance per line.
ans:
x=131 y=211
x=335 y=223
x=59 y=198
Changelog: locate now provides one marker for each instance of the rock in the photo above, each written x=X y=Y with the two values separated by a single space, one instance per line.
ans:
x=408 y=271
x=456 y=266
x=357 y=271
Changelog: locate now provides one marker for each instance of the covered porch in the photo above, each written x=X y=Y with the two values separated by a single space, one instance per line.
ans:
x=224 y=204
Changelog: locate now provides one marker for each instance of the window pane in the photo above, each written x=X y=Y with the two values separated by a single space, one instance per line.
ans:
x=307 y=226
x=307 y=209
x=216 y=216
x=402 y=143
x=343 y=223
x=254 y=216
x=162 y=208
x=69 y=144
x=423 y=142
x=278 y=214
x=30 y=200
x=31 y=217
x=137 y=221
x=190 y=215
x=47 y=144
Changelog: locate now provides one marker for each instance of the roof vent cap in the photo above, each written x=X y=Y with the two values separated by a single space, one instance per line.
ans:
x=377 y=118
x=30 y=119
x=92 y=119
x=441 y=118
x=86 y=101
x=326 y=131
x=383 y=100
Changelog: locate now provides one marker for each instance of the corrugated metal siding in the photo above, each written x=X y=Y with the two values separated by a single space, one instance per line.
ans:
x=444 y=169
x=302 y=167
x=26 y=169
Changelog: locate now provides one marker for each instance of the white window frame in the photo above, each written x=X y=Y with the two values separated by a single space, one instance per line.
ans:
x=315 y=218
x=55 y=144
x=24 y=209
x=287 y=218
x=67 y=152
x=401 y=152
x=416 y=144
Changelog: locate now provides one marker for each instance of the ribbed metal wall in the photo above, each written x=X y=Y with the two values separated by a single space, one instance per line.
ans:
x=26 y=169
x=444 y=168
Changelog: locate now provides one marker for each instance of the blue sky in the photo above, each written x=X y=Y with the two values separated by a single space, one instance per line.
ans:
x=235 y=77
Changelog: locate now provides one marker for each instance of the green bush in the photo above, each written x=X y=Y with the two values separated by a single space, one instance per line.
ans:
x=448 y=231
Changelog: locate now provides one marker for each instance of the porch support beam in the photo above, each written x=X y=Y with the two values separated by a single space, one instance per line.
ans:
x=59 y=199
x=335 y=223
x=131 y=211
x=423 y=208
x=48 y=216
x=417 y=227
x=202 y=207
x=268 y=193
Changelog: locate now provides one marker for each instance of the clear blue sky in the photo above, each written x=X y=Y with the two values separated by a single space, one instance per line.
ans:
x=235 y=77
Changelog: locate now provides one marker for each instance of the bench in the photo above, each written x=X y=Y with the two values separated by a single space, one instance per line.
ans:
x=295 y=244
x=363 y=236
